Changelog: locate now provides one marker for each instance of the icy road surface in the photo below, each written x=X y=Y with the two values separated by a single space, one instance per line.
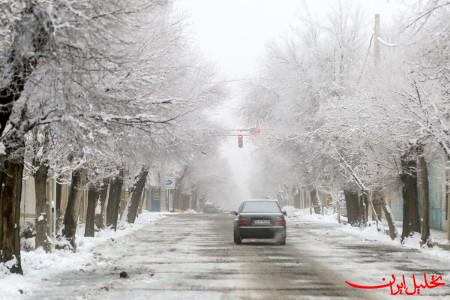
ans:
x=192 y=256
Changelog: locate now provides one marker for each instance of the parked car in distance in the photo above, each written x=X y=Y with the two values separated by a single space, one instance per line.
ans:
x=210 y=208
x=259 y=219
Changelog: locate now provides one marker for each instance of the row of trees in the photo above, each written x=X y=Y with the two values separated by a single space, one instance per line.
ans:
x=87 y=90
x=206 y=176
x=359 y=112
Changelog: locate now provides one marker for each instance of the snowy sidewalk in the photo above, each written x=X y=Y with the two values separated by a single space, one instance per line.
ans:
x=371 y=233
x=364 y=255
x=38 y=265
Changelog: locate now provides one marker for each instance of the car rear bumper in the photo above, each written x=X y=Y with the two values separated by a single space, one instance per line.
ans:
x=262 y=232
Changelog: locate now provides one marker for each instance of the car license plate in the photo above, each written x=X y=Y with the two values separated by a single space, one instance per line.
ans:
x=261 y=222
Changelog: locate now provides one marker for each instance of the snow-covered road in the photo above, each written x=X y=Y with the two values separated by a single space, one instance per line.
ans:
x=192 y=256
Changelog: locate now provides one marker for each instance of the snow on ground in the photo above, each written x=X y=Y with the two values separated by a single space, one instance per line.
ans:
x=37 y=265
x=370 y=233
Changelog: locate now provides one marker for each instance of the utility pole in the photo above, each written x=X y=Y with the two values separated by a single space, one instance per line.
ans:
x=376 y=42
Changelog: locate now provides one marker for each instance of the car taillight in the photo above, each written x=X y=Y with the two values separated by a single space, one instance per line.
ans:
x=280 y=221
x=243 y=221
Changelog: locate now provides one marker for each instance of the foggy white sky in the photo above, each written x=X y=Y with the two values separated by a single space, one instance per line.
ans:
x=233 y=34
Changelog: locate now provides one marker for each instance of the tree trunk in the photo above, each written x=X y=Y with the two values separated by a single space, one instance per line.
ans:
x=79 y=178
x=115 y=194
x=315 y=201
x=390 y=220
x=297 y=197
x=377 y=201
x=338 y=212
x=123 y=207
x=42 y=207
x=364 y=207
x=59 y=213
x=408 y=176
x=185 y=200
x=194 y=199
x=387 y=213
x=353 y=209
x=424 y=185
x=321 y=202
x=100 y=216
x=142 y=201
x=177 y=195
x=136 y=195
x=11 y=193
x=20 y=68
x=93 y=195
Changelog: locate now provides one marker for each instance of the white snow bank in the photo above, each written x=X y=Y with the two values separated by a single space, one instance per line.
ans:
x=37 y=265
x=371 y=233
x=307 y=215
x=190 y=211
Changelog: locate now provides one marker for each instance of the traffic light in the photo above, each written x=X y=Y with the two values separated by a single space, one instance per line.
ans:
x=240 y=141
x=255 y=131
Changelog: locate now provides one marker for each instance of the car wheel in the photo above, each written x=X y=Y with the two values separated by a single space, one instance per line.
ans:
x=237 y=238
x=282 y=241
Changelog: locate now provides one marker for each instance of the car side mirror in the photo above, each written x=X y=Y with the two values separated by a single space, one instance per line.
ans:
x=284 y=213
x=234 y=213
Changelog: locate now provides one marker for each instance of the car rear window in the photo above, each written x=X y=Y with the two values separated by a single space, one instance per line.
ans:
x=261 y=207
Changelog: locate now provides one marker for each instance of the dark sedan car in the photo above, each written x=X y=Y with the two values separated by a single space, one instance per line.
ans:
x=260 y=219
